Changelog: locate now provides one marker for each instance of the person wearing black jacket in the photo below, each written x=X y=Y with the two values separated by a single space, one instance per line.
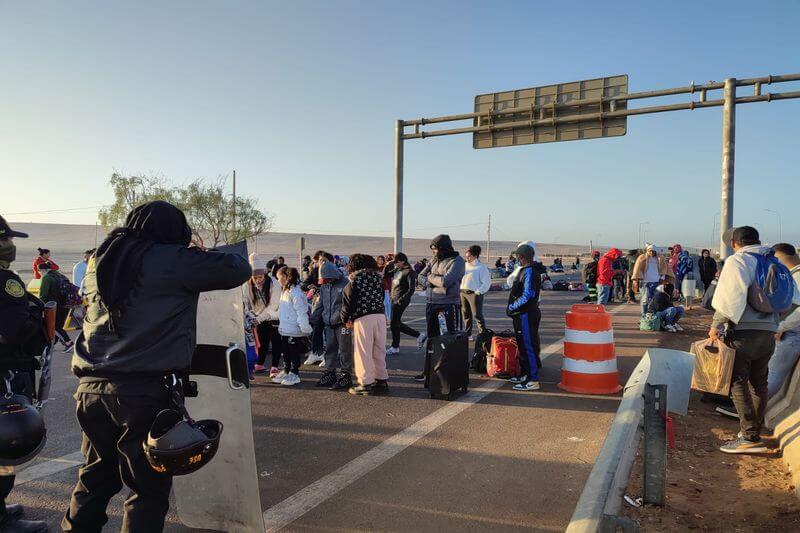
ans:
x=404 y=282
x=708 y=269
x=316 y=355
x=21 y=339
x=143 y=286
x=523 y=308
x=661 y=305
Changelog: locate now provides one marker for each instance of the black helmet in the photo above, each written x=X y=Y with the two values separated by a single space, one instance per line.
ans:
x=177 y=446
x=22 y=431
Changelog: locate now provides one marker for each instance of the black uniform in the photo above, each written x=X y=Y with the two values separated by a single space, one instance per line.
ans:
x=124 y=353
x=21 y=338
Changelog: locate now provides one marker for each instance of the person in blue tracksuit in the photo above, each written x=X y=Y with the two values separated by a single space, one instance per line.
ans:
x=523 y=308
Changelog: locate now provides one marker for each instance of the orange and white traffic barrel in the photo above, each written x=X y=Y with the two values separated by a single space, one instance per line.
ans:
x=590 y=363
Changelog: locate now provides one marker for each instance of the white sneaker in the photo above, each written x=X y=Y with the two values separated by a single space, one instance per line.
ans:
x=529 y=386
x=313 y=359
x=669 y=328
x=677 y=327
x=421 y=340
x=280 y=377
x=290 y=379
x=391 y=350
x=322 y=363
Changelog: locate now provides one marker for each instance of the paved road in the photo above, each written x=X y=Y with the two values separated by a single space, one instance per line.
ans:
x=493 y=460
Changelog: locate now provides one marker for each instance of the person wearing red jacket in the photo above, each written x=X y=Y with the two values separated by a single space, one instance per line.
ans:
x=44 y=257
x=605 y=274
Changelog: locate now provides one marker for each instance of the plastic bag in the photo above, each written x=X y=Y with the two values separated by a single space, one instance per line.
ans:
x=713 y=366
x=650 y=322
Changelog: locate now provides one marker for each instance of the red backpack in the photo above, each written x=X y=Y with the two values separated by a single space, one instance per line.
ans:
x=503 y=360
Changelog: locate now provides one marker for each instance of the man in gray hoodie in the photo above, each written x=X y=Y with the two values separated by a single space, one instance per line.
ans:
x=327 y=311
x=442 y=280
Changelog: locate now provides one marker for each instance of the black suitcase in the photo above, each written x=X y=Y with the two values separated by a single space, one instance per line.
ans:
x=447 y=364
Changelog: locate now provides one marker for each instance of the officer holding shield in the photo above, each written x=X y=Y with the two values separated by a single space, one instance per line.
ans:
x=22 y=338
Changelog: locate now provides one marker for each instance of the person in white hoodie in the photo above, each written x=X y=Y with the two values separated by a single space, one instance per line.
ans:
x=293 y=326
x=750 y=332
x=476 y=282
x=264 y=294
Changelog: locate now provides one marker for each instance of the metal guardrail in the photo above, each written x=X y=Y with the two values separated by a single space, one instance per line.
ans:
x=601 y=498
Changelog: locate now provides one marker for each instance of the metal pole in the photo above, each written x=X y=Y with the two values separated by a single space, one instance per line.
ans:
x=234 y=200
x=488 y=239
x=780 y=224
x=398 y=187
x=728 y=149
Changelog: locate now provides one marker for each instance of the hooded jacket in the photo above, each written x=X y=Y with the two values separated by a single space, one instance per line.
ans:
x=730 y=297
x=328 y=303
x=444 y=273
x=605 y=272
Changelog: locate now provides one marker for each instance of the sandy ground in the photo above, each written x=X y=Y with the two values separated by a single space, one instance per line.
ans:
x=68 y=242
x=706 y=489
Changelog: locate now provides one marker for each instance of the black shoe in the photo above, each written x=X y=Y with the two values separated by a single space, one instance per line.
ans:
x=12 y=525
x=419 y=377
x=327 y=379
x=381 y=386
x=361 y=390
x=14 y=511
x=344 y=381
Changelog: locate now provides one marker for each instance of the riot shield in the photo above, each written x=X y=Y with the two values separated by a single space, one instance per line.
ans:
x=223 y=495
x=42 y=378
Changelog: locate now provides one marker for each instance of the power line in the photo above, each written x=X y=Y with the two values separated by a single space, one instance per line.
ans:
x=56 y=210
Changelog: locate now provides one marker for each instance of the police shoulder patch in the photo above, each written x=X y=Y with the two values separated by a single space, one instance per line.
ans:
x=15 y=288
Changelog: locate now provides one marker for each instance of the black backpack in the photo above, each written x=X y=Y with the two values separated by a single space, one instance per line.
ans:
x=561 y=285
x=483 y=345
x=591 y=272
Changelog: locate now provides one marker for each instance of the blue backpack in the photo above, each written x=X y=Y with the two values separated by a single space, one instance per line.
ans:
x=772 y=290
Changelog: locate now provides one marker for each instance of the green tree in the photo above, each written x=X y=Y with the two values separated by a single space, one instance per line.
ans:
x=207 y=206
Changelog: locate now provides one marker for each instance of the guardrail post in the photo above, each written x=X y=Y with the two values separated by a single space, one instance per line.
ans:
x=655 y=443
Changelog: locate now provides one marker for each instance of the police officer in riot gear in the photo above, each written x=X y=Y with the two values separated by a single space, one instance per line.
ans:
x=21 y=339
x=142 y=285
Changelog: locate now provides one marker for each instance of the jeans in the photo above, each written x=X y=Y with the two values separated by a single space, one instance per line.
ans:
x=749 y=382
x=472 y=307
x=603 y=293
x=339 y=349
x=397 y=326
x=646 y=293
x=671 y=315
x=781 y=365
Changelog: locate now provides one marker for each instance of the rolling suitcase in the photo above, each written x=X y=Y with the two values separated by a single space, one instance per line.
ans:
x=447 y=364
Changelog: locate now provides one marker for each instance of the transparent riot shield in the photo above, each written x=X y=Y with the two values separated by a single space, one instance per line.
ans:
x=223 y=495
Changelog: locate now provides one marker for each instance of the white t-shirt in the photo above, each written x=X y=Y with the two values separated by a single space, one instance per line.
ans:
x=651 y=273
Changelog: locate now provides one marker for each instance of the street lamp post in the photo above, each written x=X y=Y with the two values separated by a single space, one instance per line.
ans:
x=780 y=225
x=641 y=234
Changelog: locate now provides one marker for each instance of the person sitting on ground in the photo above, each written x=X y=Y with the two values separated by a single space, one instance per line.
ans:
x=474 y=285
x=661 y=305
x=339 y=347
x=363 y=312
x=750 y=332
x=44 y=257
x=293 y=326
x=403 y=282
x=499 y=263
x=787 y=338
x=523 y=308
x=648 y=271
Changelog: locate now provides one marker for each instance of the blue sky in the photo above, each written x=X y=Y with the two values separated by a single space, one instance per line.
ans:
x=301 y=97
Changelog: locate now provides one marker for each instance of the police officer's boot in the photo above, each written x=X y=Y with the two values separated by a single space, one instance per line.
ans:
x=15 y=525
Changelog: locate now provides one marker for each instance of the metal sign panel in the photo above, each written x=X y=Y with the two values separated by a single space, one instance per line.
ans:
x=547 y=103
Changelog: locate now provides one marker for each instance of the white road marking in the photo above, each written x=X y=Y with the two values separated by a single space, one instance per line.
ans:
x=48 y=468
x=298 y=504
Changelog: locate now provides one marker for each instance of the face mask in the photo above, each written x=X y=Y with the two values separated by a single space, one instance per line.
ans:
x=8 y=252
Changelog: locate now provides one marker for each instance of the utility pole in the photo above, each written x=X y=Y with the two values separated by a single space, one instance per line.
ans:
x=398 y=187
x=488 y=239
x=234 y=201
x=728 y=152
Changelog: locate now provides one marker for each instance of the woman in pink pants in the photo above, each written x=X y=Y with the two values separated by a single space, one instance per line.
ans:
x=363 y=311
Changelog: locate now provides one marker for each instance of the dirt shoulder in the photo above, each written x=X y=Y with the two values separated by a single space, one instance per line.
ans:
x=706 y=489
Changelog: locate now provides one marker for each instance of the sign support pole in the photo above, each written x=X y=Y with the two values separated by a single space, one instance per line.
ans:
x=398 y=187
x=728 y=149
